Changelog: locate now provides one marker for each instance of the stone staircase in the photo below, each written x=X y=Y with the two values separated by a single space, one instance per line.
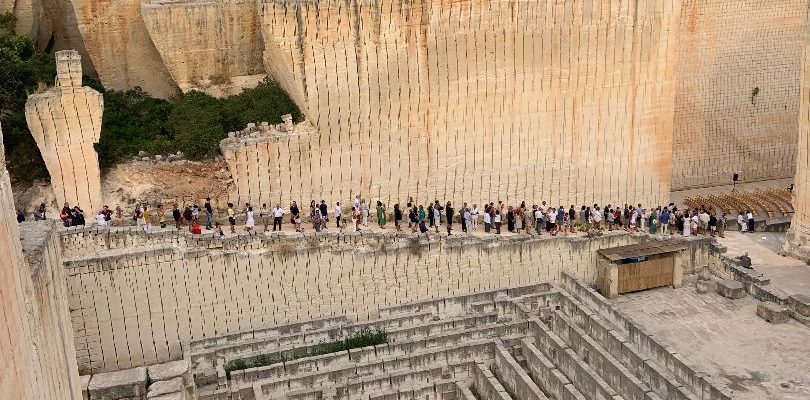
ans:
x=536 y=342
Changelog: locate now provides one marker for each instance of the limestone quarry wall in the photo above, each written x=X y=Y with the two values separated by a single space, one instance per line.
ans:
x=737 y=92
x=208 y=44
x=566 y=101
x=65 y=122
x=117 y=42
x=798 y=238
x=133 y=307
x=37 y=336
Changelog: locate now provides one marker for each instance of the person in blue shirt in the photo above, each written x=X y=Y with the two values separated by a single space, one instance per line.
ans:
x=664 y=220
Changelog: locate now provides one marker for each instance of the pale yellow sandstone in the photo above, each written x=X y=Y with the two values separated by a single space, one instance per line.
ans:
x=737 y=91
x=65 y=122
x=571 y=102
x=798 y=238
x=120 y=48
x=208 y=45
x=36 y=341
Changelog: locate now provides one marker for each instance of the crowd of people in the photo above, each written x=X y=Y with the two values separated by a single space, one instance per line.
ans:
x=491 y=218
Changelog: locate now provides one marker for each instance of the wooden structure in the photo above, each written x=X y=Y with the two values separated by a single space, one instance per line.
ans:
x=641 y=266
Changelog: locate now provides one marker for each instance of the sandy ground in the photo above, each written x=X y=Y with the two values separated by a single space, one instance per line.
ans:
x=152 y=182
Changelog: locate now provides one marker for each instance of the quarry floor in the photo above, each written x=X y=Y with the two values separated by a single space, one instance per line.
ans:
x=725 y=338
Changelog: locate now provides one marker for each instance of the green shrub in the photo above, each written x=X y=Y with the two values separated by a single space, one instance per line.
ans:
x=266 y=102
x=363 y=338
x=22 y=69
x=195 y=125
x=133 y=120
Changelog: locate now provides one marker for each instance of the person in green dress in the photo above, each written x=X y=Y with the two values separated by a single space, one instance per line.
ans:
x=653 y=223
x=381 y=214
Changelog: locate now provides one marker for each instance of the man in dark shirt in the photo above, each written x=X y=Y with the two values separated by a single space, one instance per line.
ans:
x=209 y=214
x=324 y=213
x=176 y=215
x=449 y=211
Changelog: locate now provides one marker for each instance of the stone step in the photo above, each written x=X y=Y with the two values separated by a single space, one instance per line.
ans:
x=446 y=389
x=456 y=305
x=656 y=356
x=657 y=379
x=487 y=386
x=391 y=350
x=408 y=333
x=346 y=384
x=546 y=375
x=235 y=349
x=294 y=375
x=567 y=361
x=267 y=333
x=592 y=353
x=513 y=377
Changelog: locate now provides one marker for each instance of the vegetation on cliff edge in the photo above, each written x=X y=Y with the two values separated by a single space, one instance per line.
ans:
x=132 y=120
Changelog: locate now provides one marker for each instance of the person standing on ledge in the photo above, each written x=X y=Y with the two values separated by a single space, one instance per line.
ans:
x=324 y=214
x=364 y=211
x=381 y=214
x=751 y=224
x=449 y=210
x=397 y=217
x=249 y=222
x=338 y=212
x=278 y=213
x=176 y=216
x=232 y=217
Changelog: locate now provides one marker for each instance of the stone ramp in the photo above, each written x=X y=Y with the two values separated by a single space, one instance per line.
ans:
x=535 y=342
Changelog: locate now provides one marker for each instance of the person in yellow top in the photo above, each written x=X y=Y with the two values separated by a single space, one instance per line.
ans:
x=232 y=217
x=147 y=215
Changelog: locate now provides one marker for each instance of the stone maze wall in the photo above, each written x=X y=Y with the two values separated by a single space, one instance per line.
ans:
x=534 y=342
x=136 y=297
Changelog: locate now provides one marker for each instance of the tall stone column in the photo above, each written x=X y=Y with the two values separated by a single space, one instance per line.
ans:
x=65 y=122
x=798 y=238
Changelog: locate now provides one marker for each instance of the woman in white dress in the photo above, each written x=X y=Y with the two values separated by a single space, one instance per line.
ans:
x=249 y=222
x=687 y=225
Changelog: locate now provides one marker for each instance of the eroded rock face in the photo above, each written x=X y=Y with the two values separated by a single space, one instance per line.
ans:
x=65 y=122
x=122 y=52
x=476 y=102
x=210 y=45
x=737 y=85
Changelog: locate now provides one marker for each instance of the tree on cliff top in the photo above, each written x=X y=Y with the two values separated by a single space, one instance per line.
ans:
x=23 y=69
x=132 y=120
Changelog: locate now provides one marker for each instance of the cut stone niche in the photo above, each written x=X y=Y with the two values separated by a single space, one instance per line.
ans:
x=262 y=160
x=65 y=122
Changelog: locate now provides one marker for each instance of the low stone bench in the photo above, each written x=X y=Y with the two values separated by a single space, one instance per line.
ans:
x=772 y=312
x=126 y=384
x=800 y=303
x=730 y=289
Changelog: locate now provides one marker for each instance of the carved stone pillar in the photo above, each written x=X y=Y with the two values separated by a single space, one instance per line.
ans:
x=65 y=122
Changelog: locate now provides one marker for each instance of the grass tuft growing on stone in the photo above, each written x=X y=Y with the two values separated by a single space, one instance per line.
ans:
x=362 y=338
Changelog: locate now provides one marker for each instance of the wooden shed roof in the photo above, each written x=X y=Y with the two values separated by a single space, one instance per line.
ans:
x=643 y=249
